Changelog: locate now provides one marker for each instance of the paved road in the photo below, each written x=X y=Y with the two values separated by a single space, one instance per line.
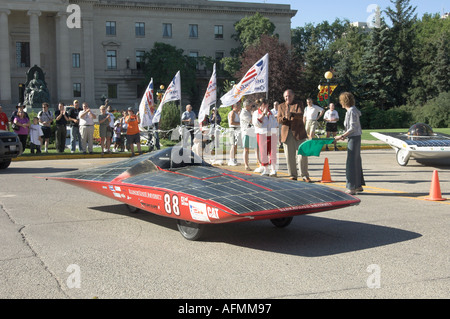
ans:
x=59 y=241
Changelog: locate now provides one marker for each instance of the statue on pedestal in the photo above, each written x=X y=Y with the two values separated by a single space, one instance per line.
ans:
x=36 y=91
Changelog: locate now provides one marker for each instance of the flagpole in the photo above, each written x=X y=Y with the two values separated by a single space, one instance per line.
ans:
x=268 y=71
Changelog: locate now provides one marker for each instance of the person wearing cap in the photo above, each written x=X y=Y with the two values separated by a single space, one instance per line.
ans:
x=19 y=108
x=133 y=136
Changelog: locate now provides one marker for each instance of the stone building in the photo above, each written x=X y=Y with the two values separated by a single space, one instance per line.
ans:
x=91 y=49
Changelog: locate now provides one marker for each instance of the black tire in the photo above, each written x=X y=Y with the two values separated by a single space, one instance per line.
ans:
x=189 y=230
x=5 y=164
x=282 y=222
x=132 y=209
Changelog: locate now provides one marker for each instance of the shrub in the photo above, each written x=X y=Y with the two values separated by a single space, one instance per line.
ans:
x=436 y=112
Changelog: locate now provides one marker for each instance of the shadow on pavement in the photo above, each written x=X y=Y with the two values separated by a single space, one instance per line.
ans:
x=307 y=236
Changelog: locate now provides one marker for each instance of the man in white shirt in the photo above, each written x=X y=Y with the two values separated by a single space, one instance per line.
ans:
x=86 y=120
x=311 y=116
x=331 y=117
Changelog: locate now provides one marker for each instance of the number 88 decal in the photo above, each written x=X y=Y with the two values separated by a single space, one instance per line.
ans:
x=171 y=205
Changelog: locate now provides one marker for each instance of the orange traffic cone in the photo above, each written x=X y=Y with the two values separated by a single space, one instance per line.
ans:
x=435 y=190
x=326 y=177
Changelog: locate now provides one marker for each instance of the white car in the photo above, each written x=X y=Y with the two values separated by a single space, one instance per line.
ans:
x=420 y=142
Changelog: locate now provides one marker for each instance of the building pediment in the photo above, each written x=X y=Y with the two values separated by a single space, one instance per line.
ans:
x=111 y=44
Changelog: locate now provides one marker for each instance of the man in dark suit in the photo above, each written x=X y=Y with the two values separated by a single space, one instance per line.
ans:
x=293 y=133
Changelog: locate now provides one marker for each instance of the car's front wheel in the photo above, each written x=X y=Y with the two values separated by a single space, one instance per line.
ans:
x=190 y=230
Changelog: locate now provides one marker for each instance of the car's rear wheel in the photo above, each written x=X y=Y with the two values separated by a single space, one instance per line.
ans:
x=5 y=164
x=190 y=230
x=282 y=222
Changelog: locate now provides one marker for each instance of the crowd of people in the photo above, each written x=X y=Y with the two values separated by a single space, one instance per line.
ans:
x=256 y=126
x=121 y=133
x=263 y=127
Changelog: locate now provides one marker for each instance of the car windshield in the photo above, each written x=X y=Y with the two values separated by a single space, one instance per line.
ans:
x=168 y=159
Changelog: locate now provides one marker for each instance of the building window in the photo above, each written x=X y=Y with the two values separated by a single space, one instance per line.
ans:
x=76 y=60
x=140 y=59
x=110 y=27
x=218 y=32
x=167 y=30
x=111 y=59
x=112 y=91
x=219 y=56
x=23 y=54
x=139 y=29
x=194 y=56
x=77 y=90
x=193 y=31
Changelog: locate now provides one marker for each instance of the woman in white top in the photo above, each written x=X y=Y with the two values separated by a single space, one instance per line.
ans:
x=266 y=127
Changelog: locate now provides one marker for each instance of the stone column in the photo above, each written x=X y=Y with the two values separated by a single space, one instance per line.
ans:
x=63 y=62
x=5 y=62
x=88 y=59
x=35 y=41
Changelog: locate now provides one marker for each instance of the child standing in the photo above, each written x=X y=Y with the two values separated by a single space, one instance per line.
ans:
x=35 y=136
x=117 y=138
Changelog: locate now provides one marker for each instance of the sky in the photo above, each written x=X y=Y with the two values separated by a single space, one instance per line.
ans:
x=317 y=11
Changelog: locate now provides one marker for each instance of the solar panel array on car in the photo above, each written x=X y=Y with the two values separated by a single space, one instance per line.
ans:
x=240 y=192
x=438 y=140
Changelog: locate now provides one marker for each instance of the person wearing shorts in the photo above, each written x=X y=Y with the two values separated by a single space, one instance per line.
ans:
x=133 y=136
x=331 y=118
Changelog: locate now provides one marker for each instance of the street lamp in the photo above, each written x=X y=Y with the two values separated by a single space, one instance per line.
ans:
x=160 y=93
x=328 y=75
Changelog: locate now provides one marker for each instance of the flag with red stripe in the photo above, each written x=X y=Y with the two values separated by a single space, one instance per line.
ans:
x=256 y=80
x=147 y=102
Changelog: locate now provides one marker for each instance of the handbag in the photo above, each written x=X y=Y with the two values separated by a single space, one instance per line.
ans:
x=15 y=127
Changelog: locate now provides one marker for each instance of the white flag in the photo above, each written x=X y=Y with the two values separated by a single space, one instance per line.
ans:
x=144 y=108
x=256 y=80
x=173 y=93
x=209 y=98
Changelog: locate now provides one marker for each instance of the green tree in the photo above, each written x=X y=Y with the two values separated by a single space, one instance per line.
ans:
x=379 y=80
x=250 y=29
x=170 y=116
x=164 y=61
x=431 y=37
x=348 y=69
x=248 y=33
x=403 y=20
x=318 y=48
x=284 y=68
x=441 y=64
